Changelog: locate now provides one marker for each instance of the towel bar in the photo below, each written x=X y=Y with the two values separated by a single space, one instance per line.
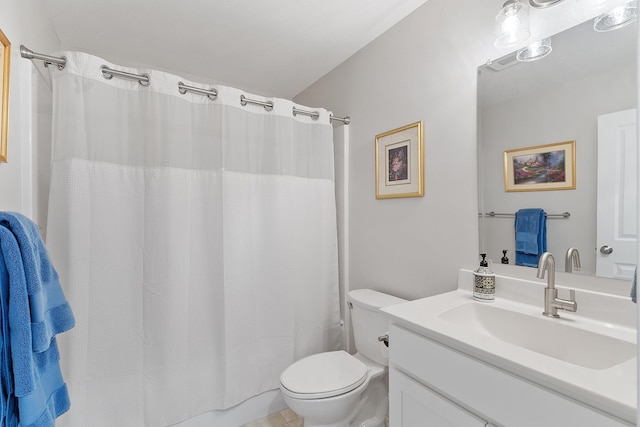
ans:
x=563 y=215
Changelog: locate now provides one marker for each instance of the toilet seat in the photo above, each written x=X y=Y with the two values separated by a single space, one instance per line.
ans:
x=323 y=375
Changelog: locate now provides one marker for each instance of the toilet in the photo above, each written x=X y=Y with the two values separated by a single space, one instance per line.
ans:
x=337 y=389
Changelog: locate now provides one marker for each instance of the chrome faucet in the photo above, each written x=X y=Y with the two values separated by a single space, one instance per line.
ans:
x=551 y=301
x=572 y=258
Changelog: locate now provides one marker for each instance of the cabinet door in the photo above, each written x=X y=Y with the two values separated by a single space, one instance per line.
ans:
x=415 y=405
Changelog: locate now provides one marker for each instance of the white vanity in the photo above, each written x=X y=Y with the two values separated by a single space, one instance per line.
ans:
x=458 y=362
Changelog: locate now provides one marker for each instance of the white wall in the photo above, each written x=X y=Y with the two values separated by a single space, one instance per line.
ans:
x=23 y=188
x=425 y=69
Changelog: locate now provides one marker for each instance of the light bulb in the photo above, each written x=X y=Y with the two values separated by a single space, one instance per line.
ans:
x=535 y=51
x=512 y=24
x=617 y=17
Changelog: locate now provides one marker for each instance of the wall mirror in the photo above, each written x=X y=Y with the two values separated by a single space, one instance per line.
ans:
x=569 y=95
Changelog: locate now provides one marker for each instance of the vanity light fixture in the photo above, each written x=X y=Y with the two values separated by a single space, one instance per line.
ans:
x=597 y=7
x=512 y=24
x=617 y=18
x=612 y=14
x=541 y=4
x=535 y=51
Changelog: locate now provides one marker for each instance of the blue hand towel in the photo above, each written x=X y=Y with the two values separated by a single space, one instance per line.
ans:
x=531 y=236
x=19 y=315
x=37 y=310
x=7 y=401
x=50 y=312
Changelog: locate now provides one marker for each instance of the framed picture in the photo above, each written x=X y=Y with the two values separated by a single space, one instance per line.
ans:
x=400 y=162
x=5 y=56
x=544 y=167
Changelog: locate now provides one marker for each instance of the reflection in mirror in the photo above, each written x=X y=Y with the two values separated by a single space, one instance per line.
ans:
x=584 y=88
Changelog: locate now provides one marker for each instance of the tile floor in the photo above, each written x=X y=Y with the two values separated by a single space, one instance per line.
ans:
x=284 y=418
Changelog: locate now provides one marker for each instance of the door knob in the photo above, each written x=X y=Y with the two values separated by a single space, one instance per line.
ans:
x=606 y=250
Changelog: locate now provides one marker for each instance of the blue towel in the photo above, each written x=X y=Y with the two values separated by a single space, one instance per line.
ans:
x=50 y=312
x=37 y=311
x=531 y=236
x=7 y=400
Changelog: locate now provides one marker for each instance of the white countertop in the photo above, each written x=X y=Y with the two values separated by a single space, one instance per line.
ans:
x=612 y=390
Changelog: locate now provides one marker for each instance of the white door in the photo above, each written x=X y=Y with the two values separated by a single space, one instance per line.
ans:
x=617 y=189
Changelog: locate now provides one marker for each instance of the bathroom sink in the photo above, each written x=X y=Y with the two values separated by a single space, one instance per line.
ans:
x=552 y=337
x=588 y=356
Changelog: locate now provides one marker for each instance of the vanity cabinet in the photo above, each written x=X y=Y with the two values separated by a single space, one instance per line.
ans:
x=415 y=404
x=434 y=385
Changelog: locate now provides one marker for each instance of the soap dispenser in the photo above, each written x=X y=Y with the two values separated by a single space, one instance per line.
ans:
x=484 y=282
x=504 y=259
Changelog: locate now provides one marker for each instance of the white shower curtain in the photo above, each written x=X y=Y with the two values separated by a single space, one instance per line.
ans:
x=196 y=241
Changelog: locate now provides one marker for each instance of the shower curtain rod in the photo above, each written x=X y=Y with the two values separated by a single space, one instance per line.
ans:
x=29 y=54
x=145 y=80
x=314 y=115
x=268 y=105
x=212 y=94
x=346 y=119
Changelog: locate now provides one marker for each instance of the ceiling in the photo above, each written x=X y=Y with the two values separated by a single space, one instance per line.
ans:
x=270 y=47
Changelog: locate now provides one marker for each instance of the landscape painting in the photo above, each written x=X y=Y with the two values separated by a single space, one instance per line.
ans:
x=544 y=167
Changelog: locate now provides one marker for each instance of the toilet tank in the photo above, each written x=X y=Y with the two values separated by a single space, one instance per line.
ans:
x=369 y=322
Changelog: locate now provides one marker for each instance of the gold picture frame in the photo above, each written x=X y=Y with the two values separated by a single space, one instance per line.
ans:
x=5 y=58
x=541 y=168
x=400 y=162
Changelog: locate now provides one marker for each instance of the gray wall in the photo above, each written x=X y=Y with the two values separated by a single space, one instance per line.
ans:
x=425 y=69
x=25 y=176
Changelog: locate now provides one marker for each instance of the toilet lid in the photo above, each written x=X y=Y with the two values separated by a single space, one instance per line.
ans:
x=324 y=375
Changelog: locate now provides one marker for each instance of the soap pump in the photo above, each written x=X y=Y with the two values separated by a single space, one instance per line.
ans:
x=504 y=259
x=484 y=282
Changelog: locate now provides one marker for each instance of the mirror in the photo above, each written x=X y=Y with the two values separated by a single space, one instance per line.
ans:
x=553 y=100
